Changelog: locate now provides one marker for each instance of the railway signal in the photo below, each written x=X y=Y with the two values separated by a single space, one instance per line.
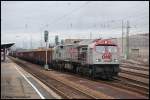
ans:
x=46 y=40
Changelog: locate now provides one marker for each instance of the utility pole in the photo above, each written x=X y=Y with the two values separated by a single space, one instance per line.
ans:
x=62 y=41
x=90 y=35
x=23 y=44
x=41 y=36
x=26 y=30
x=56 y=40
x=46 y=40
x=41 y=40
x=122 y=37
x=127 y=40
x=31 y=41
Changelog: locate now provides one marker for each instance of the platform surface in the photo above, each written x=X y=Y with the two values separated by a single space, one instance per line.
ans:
x=16 y=83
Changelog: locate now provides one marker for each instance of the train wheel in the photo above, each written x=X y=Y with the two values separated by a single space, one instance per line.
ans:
x=90 y=72
x=93 y=72
x=74 y=68
x=77 y=70
x=62 y=66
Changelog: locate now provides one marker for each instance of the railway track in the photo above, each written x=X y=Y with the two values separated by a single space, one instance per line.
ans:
x=134 y=66
x=65 y=90
x=135 y=77
x=131 y=85
x=135 y=62
x=144 y=74
x=126 y=84
x=119 y=83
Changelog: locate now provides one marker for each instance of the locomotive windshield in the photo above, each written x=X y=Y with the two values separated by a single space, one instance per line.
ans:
x=101 y=49
x=112 y=49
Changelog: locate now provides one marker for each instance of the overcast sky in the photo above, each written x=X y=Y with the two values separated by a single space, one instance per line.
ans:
x=23 y=21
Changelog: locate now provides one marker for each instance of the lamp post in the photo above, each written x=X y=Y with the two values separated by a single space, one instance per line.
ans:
x=46 y=40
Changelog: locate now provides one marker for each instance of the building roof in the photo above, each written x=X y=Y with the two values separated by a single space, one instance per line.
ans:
x=6 y=45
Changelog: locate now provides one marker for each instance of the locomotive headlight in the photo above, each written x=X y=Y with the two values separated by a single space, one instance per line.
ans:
x=116 y=60
x=98 y=60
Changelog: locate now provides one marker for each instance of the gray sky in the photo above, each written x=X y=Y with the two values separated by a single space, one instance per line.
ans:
x=21 y=20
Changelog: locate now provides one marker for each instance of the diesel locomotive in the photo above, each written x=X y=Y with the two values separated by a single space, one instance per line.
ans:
x=95 y=58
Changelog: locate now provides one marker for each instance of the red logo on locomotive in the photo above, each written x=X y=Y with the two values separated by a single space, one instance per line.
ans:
x=107 y=55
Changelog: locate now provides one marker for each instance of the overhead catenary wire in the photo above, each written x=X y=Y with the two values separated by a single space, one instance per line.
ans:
x=112 y=21
x=104 y=25
x=68 y=14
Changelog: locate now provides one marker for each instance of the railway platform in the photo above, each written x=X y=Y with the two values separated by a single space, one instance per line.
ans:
x=16 y=83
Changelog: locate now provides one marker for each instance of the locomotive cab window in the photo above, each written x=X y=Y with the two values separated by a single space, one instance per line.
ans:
x=100 y=49
x=84 y=49
x=112 y=49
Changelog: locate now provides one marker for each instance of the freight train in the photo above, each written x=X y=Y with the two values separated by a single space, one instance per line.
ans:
x=95 y=58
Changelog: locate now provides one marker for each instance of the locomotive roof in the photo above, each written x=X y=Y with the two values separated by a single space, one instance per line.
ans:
x=89 y=41
x=67 y=45
x=86 y=42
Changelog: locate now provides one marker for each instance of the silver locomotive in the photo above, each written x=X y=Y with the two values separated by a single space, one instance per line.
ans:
x=95 y=58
